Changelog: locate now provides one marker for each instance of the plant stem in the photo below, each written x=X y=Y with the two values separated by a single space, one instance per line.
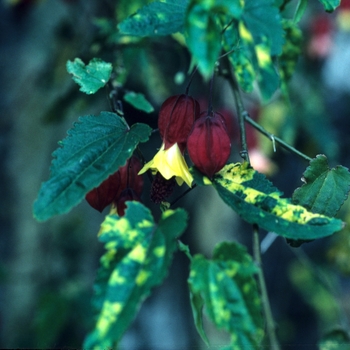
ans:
x=270 y=324
x=274 y=138
x=190 y=80
x=183 y=194
x=240 y=108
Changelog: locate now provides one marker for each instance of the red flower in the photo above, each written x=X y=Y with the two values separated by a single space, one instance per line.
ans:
x=176 y=117
x=209 y=144
x=111 y=189
x=127 y=195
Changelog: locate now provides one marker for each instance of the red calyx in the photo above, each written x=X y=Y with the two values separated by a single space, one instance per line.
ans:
x=127 y=195
x=176 y=117
x=111 y=189
x=104 y=194
x=209 y=144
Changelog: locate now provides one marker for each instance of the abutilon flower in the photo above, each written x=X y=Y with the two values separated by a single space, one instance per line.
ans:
x=112 y=189
x=176 y=117
x=209 y=144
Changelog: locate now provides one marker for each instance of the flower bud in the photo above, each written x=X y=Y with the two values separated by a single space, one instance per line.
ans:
x=176 y=117
x=129 y=177
x=104 y=194
x=209 y=144
x=111 y=189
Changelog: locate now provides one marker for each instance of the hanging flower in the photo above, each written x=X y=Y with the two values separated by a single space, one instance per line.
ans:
x=209 y=144
x=176 y=118
x=113 y=187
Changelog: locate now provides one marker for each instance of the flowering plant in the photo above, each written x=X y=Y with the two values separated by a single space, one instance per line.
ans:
x=245 y=45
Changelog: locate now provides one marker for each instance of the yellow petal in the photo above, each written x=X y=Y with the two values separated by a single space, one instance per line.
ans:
x=170 y=163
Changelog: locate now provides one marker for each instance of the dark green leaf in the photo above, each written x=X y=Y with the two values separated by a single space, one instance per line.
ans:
x=94 y=149
x=227 y=286
x=138 y=101
x=337 y=339
x=204 y=31
x=197 y=304
x=203 y=38
x=138 y=257
x=92 y=77
x=330 y=5
x=262 y=205
x=262 y=19
x=157 y=18
x=325 y=189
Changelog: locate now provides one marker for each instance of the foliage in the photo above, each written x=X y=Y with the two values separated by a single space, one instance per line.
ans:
x=225 y=285
x=137 y=259
x=92 y=77
x=94 y=149
x=248 y=43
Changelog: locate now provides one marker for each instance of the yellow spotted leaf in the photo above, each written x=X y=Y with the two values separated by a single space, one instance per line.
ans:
x=254 y=198
x=138 y=255
x=226 y=287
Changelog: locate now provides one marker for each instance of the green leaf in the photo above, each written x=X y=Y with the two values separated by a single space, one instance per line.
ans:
x=197 y=304
x=94 y=149
x=138 y=101
x=268 y=78
x=330 y=5
x=157 y=18
x=262 y=19
x=239 y=58
x=204 y=30
x=138 y=257
x=300 y=10
x=290 y=52
x=337 y=339
x=203 y=38
x=227 y=286
x=257 y=201
x=325 y=189
x=92 y=77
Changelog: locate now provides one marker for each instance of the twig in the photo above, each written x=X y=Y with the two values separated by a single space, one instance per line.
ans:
x=183 y=194
x=270 y=324
x=274 y=138
x=191 y=78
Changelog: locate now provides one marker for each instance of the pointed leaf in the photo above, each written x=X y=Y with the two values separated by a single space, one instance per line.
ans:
x=92 y=77
x=330 y=5
x=325 y=189
x=138 y=101
x=300 y=10
x=197 y=304
x=156 y=18
x=203 y=38
x=138 y=257
x=261 y=205
x=95 y=148
x=229 y=290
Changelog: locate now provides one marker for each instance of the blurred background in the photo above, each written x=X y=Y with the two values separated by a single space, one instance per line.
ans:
x=47 y=269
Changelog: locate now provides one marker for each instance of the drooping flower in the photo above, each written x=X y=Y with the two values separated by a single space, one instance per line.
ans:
x=176 y=118
x=209 y=144
x=113 y=187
